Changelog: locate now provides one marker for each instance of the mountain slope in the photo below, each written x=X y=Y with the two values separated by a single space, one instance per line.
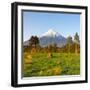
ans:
x=52 y=37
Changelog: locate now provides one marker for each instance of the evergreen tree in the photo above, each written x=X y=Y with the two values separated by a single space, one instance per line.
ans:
x=77 y=41
x=34 y=41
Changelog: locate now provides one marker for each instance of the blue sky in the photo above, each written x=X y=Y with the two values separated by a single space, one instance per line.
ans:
x=37 y=23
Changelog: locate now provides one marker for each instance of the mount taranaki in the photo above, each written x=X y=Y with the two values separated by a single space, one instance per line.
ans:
x=49 y=38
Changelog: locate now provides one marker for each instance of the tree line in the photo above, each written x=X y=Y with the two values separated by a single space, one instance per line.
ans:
x=71 y=46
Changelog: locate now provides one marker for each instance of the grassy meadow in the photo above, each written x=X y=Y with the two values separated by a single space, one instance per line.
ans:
x=41 y=64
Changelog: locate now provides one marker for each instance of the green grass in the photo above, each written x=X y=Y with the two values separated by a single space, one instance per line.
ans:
x=58 y=64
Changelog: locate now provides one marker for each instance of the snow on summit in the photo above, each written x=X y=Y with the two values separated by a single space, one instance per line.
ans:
x=51 y=33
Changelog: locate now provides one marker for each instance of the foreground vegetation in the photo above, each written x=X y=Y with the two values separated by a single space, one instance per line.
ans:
x=51 y=60
x=40 y=64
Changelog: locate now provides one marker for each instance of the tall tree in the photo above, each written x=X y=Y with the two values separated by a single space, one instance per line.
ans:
x=34 y=41
x=69 y=42
x=31 y=41
x=77 y=41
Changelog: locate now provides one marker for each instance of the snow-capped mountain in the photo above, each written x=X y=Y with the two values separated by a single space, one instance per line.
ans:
x=52 y=37
x=51 y=33
x=49 y=38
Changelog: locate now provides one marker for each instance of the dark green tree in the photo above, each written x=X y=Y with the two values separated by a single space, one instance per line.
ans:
x=34 y=41
x=31 y=41
x=76 y=38
x=77 y=41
